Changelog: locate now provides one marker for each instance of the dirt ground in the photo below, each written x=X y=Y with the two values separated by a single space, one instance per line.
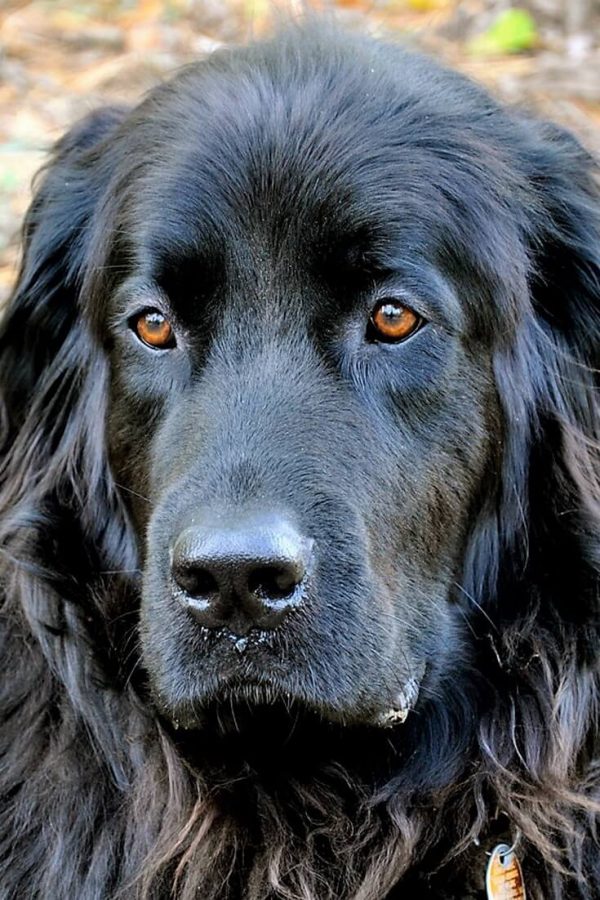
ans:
x=60 y=59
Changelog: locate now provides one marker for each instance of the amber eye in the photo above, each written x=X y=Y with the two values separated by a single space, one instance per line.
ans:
x=392 y=322
x=154 y=330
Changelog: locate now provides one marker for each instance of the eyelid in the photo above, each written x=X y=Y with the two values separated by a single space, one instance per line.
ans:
x=402 y=298
x=134 y=298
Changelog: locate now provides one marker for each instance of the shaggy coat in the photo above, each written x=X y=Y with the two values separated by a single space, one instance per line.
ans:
x=267 y=208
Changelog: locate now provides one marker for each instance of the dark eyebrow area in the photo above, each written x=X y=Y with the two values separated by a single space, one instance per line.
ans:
x=372 y=258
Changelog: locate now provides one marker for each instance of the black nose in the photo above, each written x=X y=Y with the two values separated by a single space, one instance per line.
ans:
x=241 y=573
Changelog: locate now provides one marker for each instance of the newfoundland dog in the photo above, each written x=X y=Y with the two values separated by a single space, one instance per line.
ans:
x=299 y=494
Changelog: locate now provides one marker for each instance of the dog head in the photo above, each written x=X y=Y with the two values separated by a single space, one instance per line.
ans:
x=301 y=317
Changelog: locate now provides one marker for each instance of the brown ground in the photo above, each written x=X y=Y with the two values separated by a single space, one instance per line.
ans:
x=59 y=59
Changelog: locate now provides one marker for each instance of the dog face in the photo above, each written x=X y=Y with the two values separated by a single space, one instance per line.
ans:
x=302 y=410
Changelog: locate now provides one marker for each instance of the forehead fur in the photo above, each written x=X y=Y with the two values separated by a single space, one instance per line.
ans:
x=315 y=136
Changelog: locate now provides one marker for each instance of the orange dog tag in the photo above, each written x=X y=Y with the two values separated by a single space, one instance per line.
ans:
x=504 y=878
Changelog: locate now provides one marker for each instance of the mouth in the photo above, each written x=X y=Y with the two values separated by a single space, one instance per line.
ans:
x=244 y=699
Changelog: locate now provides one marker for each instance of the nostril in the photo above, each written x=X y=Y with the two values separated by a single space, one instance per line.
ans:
x=196 y=582
x=274 y=582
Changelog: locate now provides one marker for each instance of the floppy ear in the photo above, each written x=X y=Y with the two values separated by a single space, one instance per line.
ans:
x=561 y=340
x=537 y=550
x=51 y=374
x=549 y=389
x=565 y=469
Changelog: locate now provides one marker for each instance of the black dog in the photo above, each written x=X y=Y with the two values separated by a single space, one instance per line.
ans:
x=299 y=503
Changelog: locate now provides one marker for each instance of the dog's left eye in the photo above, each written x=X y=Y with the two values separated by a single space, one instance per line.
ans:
x=392 y=322
x=154 y=330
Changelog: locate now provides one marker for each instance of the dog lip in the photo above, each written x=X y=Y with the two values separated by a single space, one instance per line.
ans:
x=256 y=691
x=404 y=701
x=251 y=692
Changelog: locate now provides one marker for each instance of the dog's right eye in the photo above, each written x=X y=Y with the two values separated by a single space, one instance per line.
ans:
x=154 y=329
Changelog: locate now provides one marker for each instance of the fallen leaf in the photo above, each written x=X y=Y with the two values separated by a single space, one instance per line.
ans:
x=514 y=31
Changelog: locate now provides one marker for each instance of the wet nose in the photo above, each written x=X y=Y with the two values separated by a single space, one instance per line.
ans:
x=241 y=573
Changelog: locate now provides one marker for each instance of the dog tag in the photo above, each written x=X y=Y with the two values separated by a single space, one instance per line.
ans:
x=504 y=878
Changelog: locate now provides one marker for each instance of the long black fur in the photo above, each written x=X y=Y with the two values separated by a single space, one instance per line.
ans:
x=101 y=796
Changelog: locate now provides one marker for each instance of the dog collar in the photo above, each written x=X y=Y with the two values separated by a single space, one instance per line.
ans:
x=504 y=876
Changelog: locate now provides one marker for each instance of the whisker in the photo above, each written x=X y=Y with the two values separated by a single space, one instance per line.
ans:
x=476 y=604
x=120 y=572
x=131 y=491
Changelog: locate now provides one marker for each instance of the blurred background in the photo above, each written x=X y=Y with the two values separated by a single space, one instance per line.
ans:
x=59 y=59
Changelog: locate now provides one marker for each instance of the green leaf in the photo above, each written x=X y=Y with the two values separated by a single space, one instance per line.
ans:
x=514 y=31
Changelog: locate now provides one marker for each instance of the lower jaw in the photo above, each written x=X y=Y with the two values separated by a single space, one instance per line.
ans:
x=278 y=739
x=256 y=709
